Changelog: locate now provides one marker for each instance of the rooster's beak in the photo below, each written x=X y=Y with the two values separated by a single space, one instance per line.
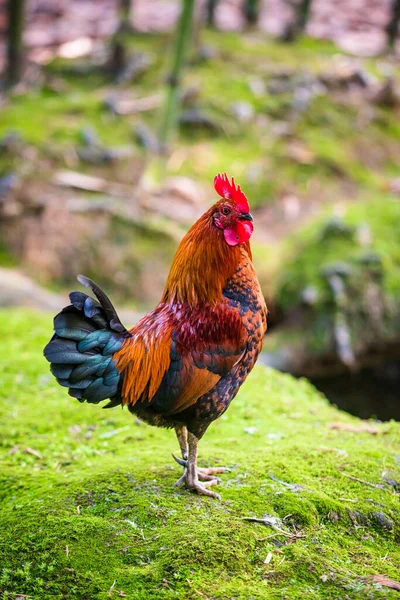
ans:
x=246 y=217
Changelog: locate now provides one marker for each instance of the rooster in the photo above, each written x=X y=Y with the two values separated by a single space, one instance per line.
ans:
x=183 y=363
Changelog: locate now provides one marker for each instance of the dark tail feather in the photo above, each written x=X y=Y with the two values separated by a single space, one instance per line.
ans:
x=87 y=335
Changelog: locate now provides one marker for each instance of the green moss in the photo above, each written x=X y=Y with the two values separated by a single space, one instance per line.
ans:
x=52 y=117
x=88 y=497
x=6 y=258
x=313 y=249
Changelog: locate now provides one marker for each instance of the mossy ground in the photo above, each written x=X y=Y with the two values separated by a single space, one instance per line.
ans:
x=89 y=510
x=356 y=145
x=335 y=147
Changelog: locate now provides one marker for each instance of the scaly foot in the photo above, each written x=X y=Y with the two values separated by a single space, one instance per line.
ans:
x=192 y=480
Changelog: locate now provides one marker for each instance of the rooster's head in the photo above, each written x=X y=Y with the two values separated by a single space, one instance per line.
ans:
x=232 y=212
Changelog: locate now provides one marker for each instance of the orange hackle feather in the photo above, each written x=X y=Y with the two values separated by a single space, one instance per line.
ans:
x=202 y=265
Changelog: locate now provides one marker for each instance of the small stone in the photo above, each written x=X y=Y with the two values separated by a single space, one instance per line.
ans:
x=74 y=429
x=281 y=129
x=291 y=206
x=309 y=296
x=336 y=227
x=243 y=111
x=258 y=87
x=381 y=519
x=250 y=430
x=207 y=52
x=8 y=183
x=364 y=236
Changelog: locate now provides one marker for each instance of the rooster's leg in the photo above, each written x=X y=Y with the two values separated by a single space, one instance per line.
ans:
x=192 y=475
x=181 y=434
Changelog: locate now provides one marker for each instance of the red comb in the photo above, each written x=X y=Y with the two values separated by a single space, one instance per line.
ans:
x=228 y=190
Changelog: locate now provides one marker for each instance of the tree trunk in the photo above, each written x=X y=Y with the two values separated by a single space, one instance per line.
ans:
x=393 y=25
x=197 y=27
x=171 y=107
x=125 y=9
x=15 y=54
x=303 y=13
x=119 y=54
x=251 y=9
x=210 y=15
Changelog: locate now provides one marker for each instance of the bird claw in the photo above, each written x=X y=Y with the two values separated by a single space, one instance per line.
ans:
x=200 y=488
x=181 y=481
x=202 y=472
x=180 y=461
x=206 y=476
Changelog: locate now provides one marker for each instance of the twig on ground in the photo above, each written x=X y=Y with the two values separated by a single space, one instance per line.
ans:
x=200 y=593
x=379 y=486
x=268 y=537
x=269 y=521
x=110 y=591
x=33 y=452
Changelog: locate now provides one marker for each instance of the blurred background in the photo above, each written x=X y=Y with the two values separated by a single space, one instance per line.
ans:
x=115 y=115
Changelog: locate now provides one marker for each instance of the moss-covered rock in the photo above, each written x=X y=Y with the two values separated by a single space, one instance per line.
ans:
x=89 y=509
x=364 y=242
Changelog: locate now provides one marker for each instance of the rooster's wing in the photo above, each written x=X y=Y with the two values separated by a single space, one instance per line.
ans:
x=174 y=357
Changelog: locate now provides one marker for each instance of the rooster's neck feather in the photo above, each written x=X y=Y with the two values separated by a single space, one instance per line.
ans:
x=202 y=265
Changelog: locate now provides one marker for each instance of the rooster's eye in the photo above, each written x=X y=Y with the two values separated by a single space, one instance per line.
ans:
x=225 y=211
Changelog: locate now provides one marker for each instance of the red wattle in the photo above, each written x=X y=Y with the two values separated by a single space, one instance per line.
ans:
x=239 y=234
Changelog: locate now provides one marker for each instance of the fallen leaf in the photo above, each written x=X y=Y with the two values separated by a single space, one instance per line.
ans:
x=129 y=106
x=362 y=428
x=386 y=582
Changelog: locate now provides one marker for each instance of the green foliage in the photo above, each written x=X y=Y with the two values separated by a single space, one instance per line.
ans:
x=89 y=509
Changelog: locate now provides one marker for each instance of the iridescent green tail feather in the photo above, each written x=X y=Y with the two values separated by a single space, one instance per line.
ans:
x=87 y=335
